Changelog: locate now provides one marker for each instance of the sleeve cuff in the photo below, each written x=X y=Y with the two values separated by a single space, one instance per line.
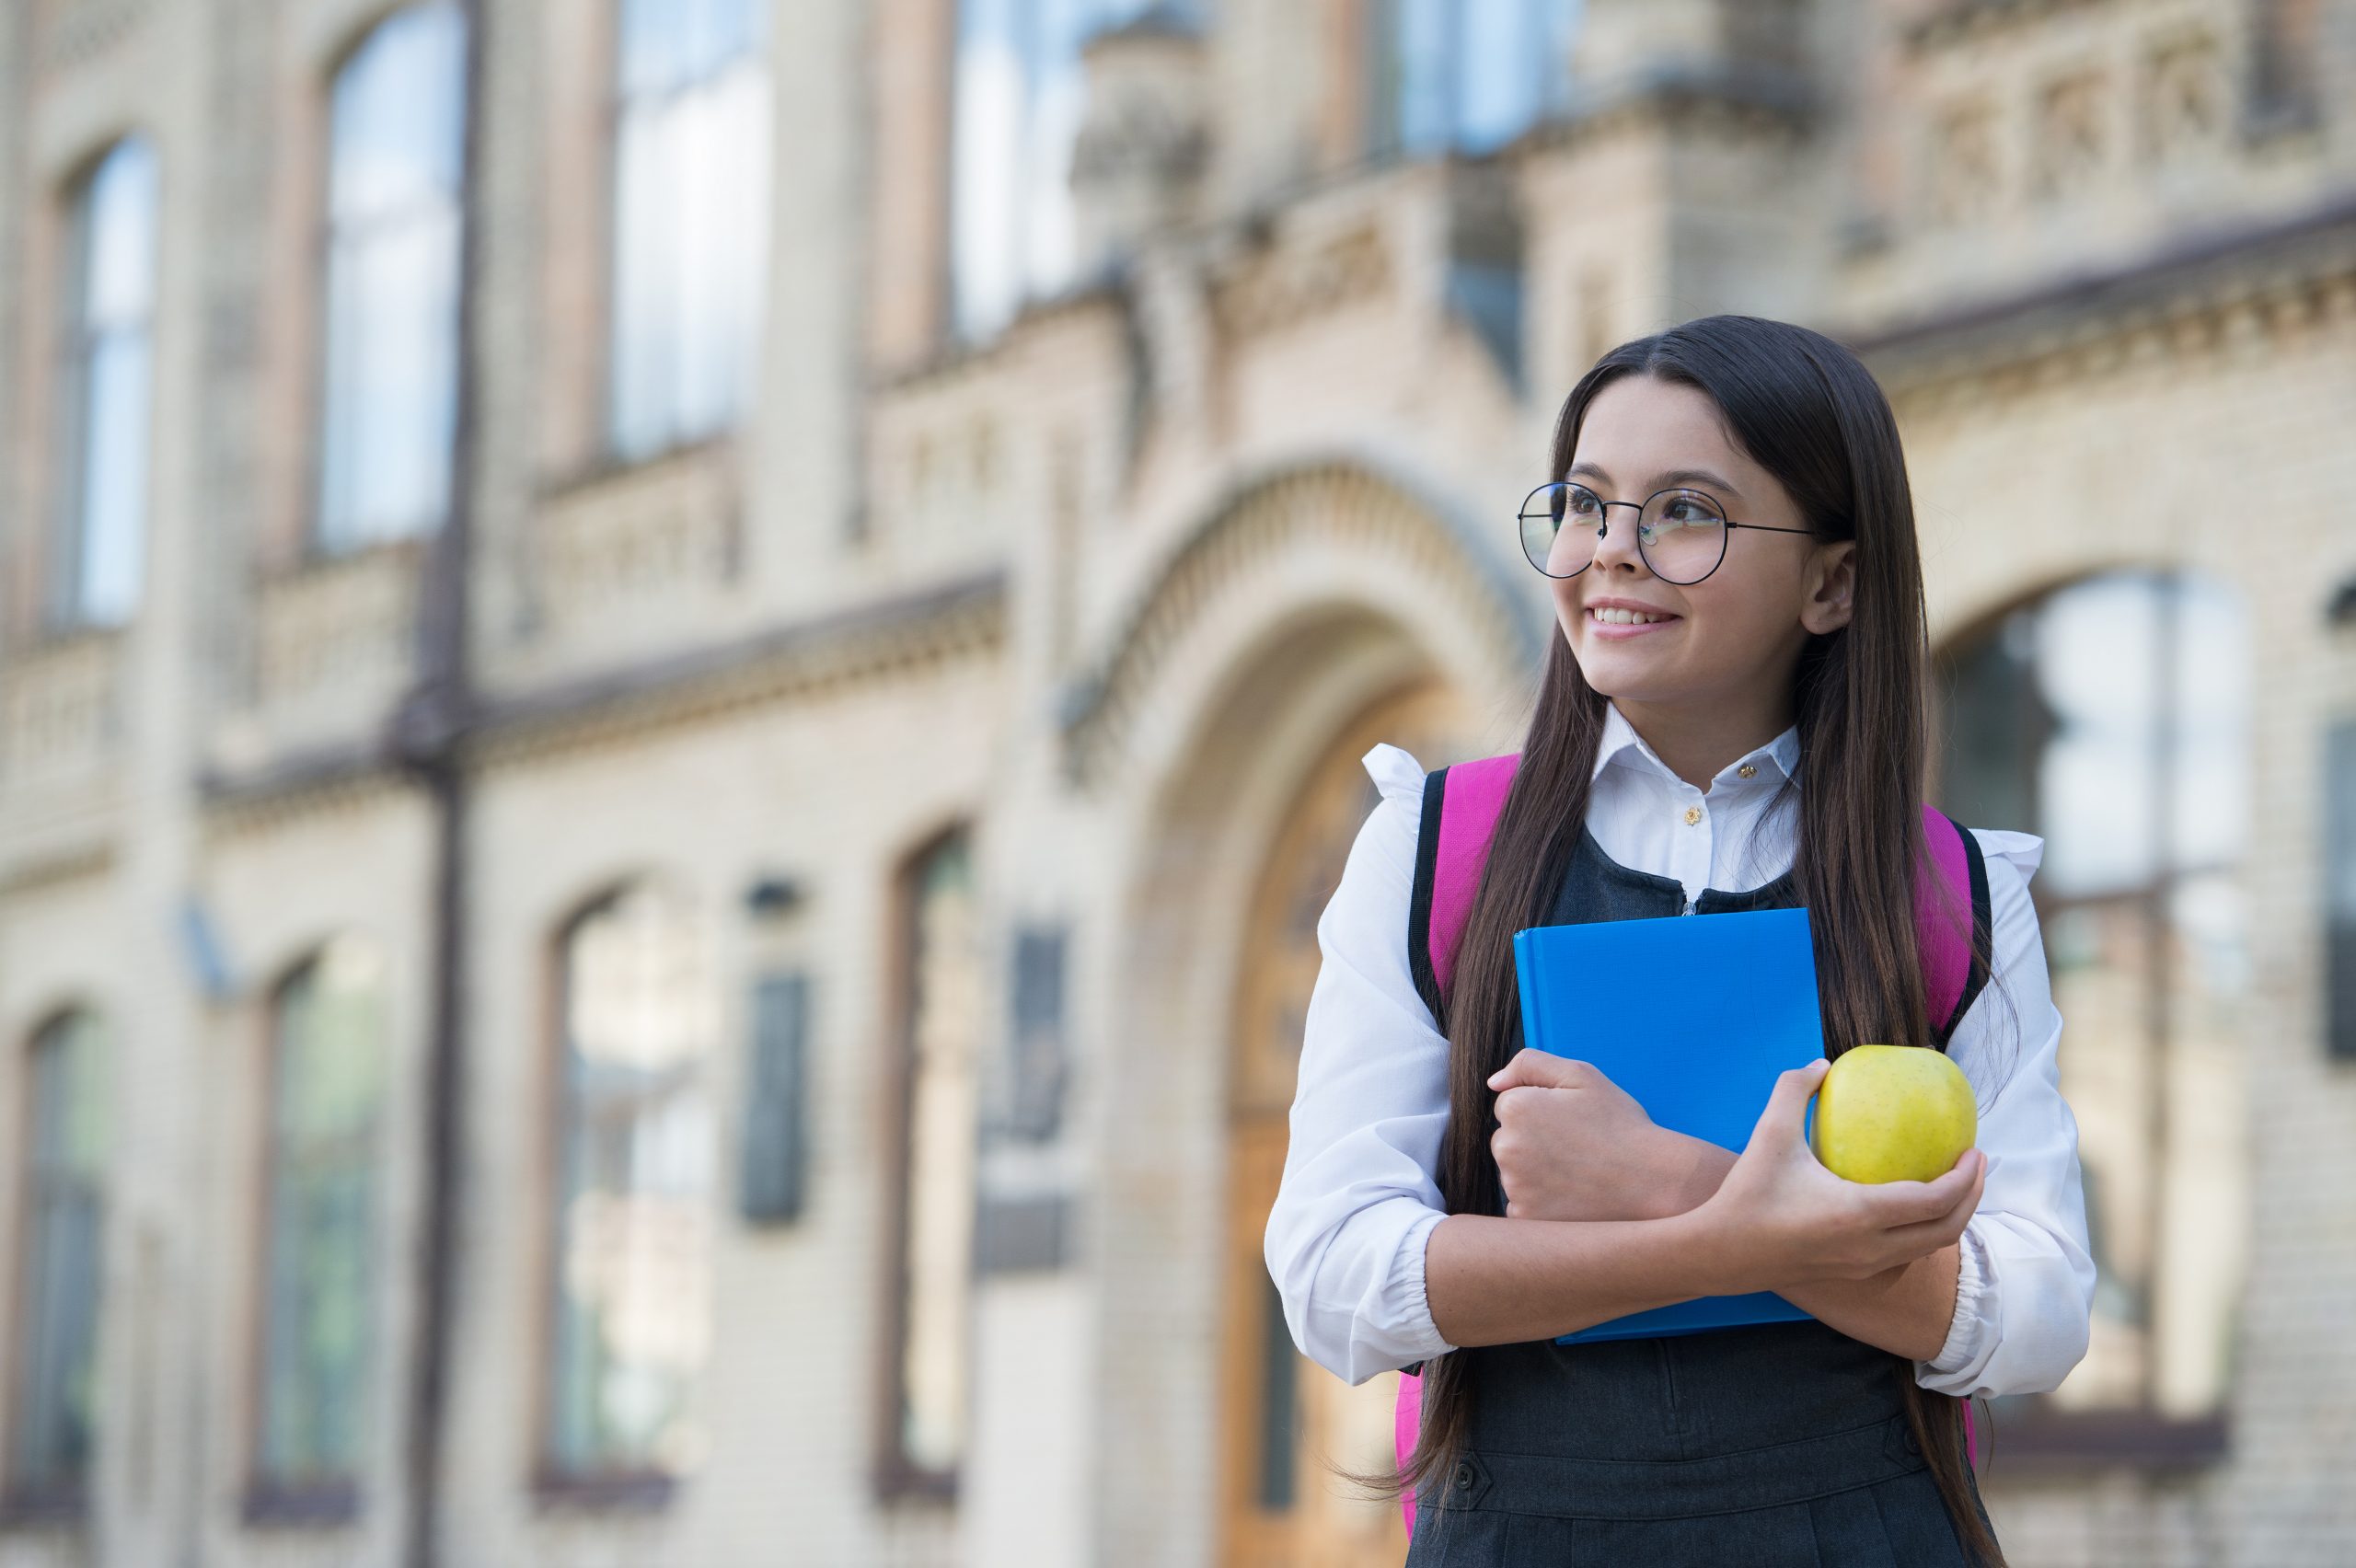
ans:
x=1970 y=1293
x=1407 y=1304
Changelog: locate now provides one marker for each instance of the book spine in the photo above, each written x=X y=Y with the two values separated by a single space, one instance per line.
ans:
x=1527 y=973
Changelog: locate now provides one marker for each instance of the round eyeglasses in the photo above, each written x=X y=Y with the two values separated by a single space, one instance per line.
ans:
x=1681 y=533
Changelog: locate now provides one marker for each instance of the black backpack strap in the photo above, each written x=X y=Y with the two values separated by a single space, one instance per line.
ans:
x=1982 y=936
x=1419 y=906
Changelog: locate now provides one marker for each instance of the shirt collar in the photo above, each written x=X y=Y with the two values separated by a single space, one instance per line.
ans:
x=1621 y=743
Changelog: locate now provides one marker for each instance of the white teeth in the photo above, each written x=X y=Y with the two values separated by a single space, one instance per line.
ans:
x=1626 y=617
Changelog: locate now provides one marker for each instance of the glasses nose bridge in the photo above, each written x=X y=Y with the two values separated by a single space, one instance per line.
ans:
x=1632 y=541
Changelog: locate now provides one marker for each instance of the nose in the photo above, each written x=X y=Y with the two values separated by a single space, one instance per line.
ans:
x=1618 y=547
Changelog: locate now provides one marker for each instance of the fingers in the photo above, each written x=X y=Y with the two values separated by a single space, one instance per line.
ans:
x=1929 y=1232
x=1540 y=1069
x=1913 y=1203
x=1788 y=1107
x=1928 y=1236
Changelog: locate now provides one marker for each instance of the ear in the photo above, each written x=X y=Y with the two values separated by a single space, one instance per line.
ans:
x=1831 y=580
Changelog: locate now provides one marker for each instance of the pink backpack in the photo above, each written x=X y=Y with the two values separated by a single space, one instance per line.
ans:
x=1460 y=807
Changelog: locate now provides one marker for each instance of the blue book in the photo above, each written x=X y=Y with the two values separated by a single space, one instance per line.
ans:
x=1695 y=1016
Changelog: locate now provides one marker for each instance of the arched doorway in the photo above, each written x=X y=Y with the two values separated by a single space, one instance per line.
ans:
x=1285 y=1418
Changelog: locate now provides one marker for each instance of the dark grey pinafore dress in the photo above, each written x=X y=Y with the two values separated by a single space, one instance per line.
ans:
x=1774 y=1445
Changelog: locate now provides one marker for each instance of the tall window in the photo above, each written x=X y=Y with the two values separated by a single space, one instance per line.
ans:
x=394 y=212
x=2111 y=716
x=57 y=1310
x=1018 y=101
x=103 y=392
x=1465 y=75
x=634 y=1217
x=327 y=1086
x=690 y=222
x=942 y=1012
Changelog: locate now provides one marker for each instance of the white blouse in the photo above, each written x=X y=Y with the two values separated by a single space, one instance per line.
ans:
x=1358 y=1199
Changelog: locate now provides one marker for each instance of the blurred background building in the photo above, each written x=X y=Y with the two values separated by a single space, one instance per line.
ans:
x=679 y=680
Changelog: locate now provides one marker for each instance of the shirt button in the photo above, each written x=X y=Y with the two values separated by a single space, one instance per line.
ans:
x=1692 y=815
x=1748 y=771
x=1463 y=1474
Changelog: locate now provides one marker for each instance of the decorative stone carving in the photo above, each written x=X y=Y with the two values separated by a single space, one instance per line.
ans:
x=1965 y=174
x=1293 y=285
x=1357 y=510
x=335 y=640
x=2182 y=106
x=1137 y=162
x=628 y=540
x=62 y=705
x=2070 y=145
x=81 y=30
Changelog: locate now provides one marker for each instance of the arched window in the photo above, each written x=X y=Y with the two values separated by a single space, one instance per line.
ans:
x=634 y=1216
x=393 y=213
x=2111 y=717
x=103 y=392
x=65 y=1150
x=691 y=219
x=326 y=1099
x=940 y=1011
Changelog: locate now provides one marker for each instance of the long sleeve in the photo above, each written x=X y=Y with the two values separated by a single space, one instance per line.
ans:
x=2025 y=1295
x=1358 y=1201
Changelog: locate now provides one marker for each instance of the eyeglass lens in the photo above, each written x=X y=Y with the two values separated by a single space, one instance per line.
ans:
x=1682 y=535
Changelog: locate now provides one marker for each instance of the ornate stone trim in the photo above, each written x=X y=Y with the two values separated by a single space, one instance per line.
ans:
x=897 y=636
x=61 y=708
x=80 y=30
x=650 y=532
x=1342 y=496
x=1955 y=21
x=1736 y=100
x=336 y=633
x=2263 y=283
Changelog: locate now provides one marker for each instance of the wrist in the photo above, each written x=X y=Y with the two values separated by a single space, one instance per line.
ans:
x=1713 y=1258
x=1695 y=1170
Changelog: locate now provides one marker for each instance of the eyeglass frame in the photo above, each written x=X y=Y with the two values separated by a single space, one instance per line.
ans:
x=1603 y=529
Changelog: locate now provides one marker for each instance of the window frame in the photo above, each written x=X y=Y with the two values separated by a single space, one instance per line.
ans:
x=631 y=1488
x=315 y=545
x=64 y=532
x=24 y=1500
x=615 y=102
x=895 y=1476
x=2140 y=1434
x=335 y=1499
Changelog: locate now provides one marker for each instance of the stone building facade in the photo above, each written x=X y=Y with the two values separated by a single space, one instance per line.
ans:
x=821 y=819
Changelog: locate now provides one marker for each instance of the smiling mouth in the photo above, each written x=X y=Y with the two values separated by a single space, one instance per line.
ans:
x=1627 y=617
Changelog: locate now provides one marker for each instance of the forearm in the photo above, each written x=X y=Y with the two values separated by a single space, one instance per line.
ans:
x=1905 y=1310
x=1495 y=1281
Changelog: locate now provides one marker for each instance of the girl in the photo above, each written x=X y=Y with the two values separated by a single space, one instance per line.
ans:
x=1732 y=718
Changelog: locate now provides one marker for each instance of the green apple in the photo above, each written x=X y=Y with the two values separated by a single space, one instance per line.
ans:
x=1893 y=1113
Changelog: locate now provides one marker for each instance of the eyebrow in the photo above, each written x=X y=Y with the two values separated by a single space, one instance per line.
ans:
x=1666 y=479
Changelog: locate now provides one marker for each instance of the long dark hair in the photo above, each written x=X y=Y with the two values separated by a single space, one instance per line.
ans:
x=1806 y=410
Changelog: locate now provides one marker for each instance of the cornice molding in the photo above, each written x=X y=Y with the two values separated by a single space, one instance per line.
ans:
x=895 y=637
x=2273 y=279
x=1739 y=100
x=1954 y=21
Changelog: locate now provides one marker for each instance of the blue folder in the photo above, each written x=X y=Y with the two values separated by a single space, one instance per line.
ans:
x=1695 y=1016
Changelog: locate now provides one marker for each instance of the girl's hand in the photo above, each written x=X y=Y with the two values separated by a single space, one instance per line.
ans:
x=1571 y=1144
x=1780 y=1217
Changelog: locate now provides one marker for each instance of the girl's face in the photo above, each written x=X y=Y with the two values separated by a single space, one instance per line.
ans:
x=1733 y=642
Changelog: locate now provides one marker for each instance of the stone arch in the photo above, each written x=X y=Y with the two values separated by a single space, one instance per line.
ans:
x=1342 y=529
x=1299 y=606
